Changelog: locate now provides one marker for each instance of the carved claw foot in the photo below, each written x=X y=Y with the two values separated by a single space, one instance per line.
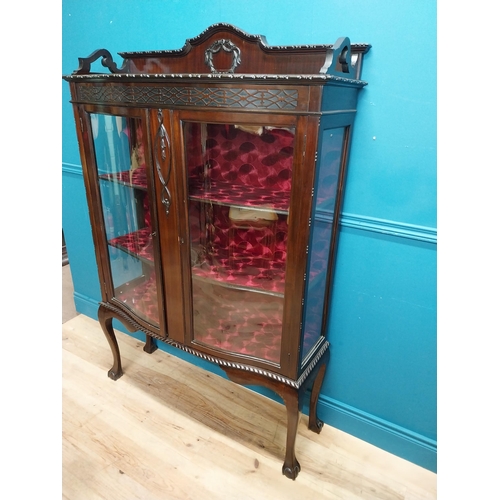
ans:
x=316 y=425
x=291 y=472
x=115 y=375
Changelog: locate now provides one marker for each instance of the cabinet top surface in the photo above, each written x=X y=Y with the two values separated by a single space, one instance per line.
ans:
x=224 y=52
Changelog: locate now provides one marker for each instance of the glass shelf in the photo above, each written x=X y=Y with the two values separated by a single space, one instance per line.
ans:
x=135 y=179
x=245 y=254
x=247 y=276
x=245 y=273
x=240 y=196
x=138 y=244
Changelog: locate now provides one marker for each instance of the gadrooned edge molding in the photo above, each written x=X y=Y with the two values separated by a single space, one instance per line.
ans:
x=221 y=362
x=221 y=76
x=260 y=39
x=214 y=28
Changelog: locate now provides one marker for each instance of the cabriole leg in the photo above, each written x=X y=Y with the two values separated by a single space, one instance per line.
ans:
x=315 y=424
x=291 y=466
x=105 y=320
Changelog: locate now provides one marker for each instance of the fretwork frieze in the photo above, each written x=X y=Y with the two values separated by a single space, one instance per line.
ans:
x=279 y=99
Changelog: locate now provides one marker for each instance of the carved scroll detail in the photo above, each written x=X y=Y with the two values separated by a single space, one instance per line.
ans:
x=342 y=58
x=161 y=142
x=107 y=62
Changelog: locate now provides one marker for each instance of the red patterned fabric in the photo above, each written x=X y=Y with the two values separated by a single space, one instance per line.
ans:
x=238 y=321
x=146 y=212
x=141 y=298
x=250 y=255
x=229 y=157
x=139 y=243
x=228 y=166
x=231 y=166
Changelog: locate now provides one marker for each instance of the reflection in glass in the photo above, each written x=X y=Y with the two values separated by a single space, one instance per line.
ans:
x=328 y=168
x=121 y=165
x=239 y=182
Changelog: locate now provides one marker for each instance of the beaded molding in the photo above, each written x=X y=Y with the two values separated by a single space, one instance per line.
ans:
x=261 y=39
x=220 y=76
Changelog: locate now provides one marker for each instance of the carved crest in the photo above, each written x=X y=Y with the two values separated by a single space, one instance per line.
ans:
x=227 y=46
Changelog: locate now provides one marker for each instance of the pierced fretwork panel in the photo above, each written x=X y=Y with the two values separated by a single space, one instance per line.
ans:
x=190 y=96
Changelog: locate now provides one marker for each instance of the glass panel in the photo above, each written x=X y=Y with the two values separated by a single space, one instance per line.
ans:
x=121 y=165
x=239 y=181
x=321 y=236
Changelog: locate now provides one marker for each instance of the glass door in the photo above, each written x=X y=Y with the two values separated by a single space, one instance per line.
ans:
x=239 y=180
x=119 y=146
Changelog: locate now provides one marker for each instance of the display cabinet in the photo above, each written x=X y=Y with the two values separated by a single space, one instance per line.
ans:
x=214 y=176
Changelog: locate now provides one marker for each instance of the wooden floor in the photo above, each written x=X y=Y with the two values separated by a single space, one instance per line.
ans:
x=169 y=430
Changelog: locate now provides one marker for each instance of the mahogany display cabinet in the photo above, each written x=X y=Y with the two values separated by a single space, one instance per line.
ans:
x=214 y=176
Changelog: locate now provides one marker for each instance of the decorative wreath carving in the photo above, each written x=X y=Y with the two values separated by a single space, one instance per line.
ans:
x=227 y=46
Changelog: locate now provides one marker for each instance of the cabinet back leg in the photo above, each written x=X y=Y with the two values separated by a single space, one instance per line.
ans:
x=106 y=322
x=150 y=345
x=315 y=424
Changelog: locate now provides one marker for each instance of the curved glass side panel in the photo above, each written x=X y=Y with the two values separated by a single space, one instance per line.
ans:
x=239 y=184
x=121 y=165
x=325 y=198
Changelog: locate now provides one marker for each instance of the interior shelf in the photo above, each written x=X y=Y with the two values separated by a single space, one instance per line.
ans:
x=250 y=275
x=240 y=196
x=139 y=244
x=135 y=179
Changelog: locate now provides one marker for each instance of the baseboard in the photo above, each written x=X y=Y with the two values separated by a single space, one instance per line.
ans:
x=390 y=437
x=86 y=306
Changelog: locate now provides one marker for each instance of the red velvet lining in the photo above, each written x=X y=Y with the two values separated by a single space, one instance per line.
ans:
x=142 y=298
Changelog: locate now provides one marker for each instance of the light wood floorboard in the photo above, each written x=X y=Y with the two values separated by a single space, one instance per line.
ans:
x=170 y=430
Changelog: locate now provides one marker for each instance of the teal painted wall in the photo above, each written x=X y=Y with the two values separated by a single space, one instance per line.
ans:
x=381 y=383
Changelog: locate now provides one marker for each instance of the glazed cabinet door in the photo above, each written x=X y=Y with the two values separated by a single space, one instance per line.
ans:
x=327 y=197
x=118 y=173
x=242 y=261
